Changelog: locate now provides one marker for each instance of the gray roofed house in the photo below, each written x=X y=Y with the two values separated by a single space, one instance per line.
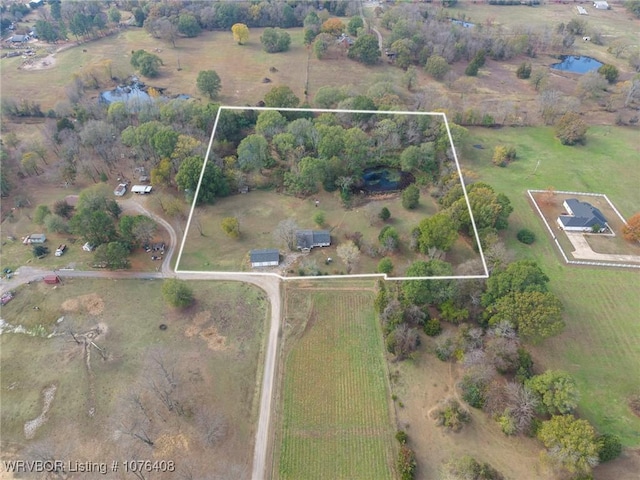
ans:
x=308 y=239
x=582 y=217
x=269 y=257
x=19 y=39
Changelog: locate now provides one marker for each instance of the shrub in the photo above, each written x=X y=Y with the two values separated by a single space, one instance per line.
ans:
x=177 y=293
x=473 y=391
x=402 y=436
x=40 y=214
x=406 y=463
x=410 y=197
x=526 y=236
x=385 y=265
x=451 y=415
x=524 y=70
x=610 y=447
x=571 y=129
x=319 y=218
x=609 y=72
x=445 y=349
x=452 y=314
x=40 y=251
x=384 y=214
x=432 y=327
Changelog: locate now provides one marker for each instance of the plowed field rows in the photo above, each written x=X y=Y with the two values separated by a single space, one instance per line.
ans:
x=335 y=417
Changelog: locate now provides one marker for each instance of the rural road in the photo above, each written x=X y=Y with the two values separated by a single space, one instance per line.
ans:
x=269 y=283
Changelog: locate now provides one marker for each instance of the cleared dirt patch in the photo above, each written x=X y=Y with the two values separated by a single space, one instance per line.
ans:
x=92 y=303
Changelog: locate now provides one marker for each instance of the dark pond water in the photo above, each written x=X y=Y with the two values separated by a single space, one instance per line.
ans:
x=571 y=63
x=384 y=179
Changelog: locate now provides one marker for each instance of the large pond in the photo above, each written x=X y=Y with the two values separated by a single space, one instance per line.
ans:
x=384 y=179
x=571 y=63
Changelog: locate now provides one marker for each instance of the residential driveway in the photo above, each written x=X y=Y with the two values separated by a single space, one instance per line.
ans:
x=582 y=251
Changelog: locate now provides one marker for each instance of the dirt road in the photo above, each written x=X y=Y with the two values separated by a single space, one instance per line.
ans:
x=270 y=283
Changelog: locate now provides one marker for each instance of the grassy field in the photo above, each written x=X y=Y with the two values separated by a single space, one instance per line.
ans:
x=334 y=419
x=242 y=68
x=213 y=349
x=260 y=211
x=600 y=344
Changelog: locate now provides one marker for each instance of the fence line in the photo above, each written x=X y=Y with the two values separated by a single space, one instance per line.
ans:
x=553 y=235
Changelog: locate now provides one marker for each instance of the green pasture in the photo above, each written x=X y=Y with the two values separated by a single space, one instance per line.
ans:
x=601 y=344
x=334 y=417
x=131 y=311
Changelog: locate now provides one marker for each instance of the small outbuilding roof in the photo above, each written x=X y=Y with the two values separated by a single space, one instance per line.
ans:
x=265 y=255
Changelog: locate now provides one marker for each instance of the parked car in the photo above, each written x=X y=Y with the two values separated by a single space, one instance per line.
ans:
x=60 y=250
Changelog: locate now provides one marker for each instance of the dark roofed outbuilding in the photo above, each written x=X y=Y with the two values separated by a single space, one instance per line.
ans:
x=269 y=257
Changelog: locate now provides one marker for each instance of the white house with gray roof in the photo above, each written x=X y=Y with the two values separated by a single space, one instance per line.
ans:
x=581 y=217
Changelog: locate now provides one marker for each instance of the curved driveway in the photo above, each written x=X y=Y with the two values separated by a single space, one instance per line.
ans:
x=269 y=283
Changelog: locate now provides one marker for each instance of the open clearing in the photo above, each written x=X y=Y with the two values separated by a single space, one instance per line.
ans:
x=600 y=344
x=334 y=419
x=212 y=350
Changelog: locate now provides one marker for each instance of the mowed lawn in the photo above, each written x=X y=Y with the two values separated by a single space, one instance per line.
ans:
x=208 y=248
x=335 y=420
x=601 y=344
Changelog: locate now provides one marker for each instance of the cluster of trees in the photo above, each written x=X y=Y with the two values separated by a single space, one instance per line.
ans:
x=97 y=219
x=82 y=20
x=515 y=306
x=147 y=63
x=329 y=150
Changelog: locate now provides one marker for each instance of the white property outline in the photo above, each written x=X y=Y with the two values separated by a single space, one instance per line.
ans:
x=365 y=275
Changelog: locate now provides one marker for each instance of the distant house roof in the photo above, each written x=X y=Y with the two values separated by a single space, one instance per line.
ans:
x=345 y=40
x=307 y=239
x=19 y=38
x=581 y=214
x=269 y=255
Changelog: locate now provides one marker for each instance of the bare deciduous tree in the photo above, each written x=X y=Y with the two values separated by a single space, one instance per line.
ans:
x=349 y=254
x=285 y=232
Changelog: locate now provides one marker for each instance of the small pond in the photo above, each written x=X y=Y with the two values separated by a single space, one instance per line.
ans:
x=571 y=63
x=127 y=94
x=384 y=179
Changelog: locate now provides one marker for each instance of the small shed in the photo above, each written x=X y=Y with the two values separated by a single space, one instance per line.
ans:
x=51 y=279
x=265 y=258
x=601 y=5
x=120 y=190
x=141 y=189
x=35 y=238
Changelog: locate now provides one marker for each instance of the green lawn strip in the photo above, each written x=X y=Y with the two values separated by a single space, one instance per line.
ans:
x=335 y=394
x=600 y=344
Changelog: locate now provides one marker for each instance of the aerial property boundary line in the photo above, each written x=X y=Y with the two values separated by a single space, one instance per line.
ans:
x=555 y=239
x=372 y=275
